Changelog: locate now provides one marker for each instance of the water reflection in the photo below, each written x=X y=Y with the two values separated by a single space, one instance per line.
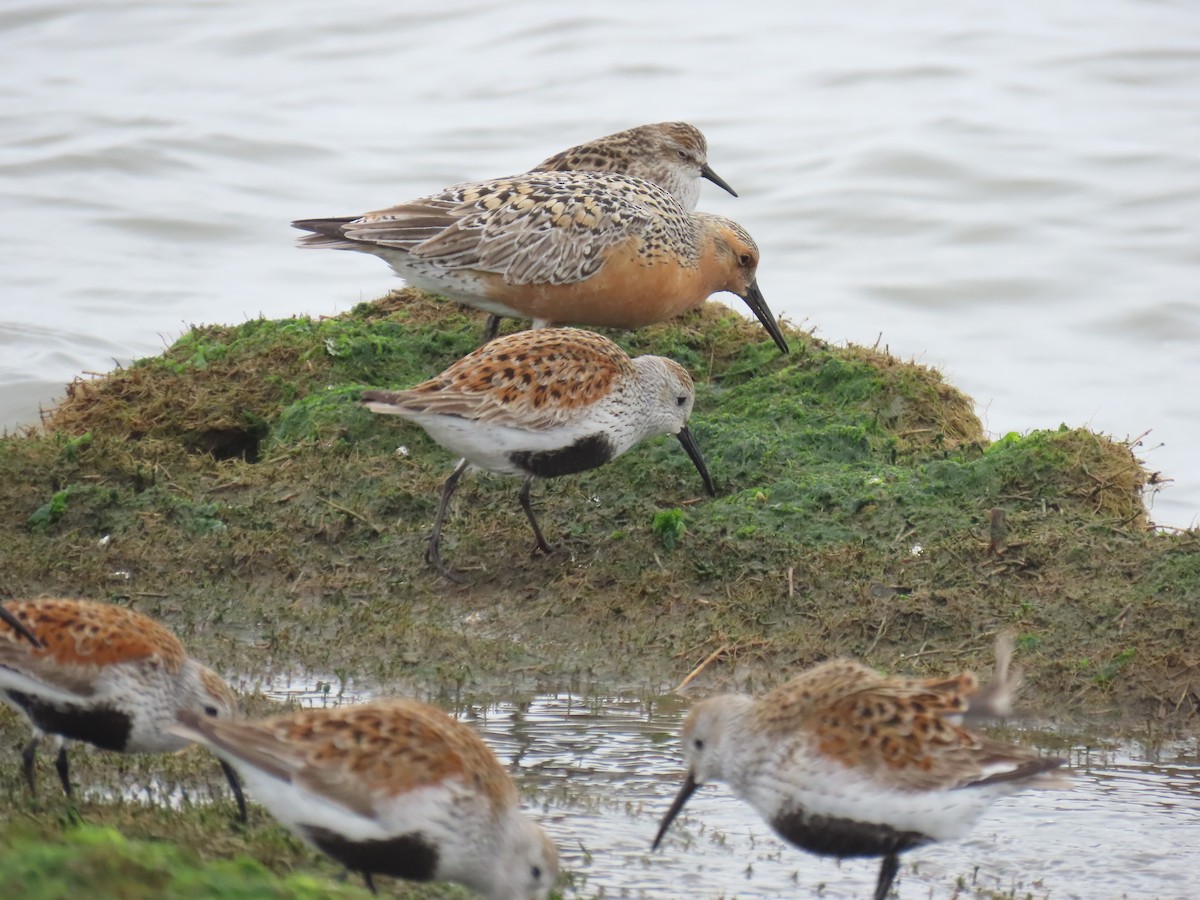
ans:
x=604 y=769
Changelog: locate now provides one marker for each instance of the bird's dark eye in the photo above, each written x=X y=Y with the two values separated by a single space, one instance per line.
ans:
x=698 y=743
x=211 y=711
x=536 y=872
x=744 y=260
x=682 y=154
x=681 y=401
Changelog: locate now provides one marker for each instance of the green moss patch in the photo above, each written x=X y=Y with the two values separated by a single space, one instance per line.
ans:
x=235 y=487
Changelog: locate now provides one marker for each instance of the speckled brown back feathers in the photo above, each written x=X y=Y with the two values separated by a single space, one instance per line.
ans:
x=905 y=731
x=537 y=228
x=87 y=633
x=355 y=754
x=628 y=150
x=532 y=379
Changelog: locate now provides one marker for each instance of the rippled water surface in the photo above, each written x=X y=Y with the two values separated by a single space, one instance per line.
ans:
x=601 y=771
x=1008 y=191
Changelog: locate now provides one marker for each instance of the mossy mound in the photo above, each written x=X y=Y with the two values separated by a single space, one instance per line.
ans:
x=50 y=863
x=856 y=493
x=99 y=862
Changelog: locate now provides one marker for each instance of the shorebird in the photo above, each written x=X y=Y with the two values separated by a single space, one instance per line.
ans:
x=104 y=675
x=544 y=403
x=842 y=761
x=561 y=248
x=673 y=155
x=392 y=787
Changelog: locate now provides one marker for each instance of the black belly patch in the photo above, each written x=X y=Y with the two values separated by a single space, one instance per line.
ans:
x=832 y=836
x=407 y=856
x=103 y=726
x=586 y=453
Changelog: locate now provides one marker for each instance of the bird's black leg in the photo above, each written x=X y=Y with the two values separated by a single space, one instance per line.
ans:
x=491 y=329
x=370 y=882
x=235 y=785
x=432 y=555
x=28 y=760
x=61 y=766
x=887 y=874
x=525 y=505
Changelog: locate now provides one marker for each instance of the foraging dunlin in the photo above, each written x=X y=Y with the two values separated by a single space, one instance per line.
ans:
x=544 y=403
x=104 y=675
x=392 y=787
x=842 y=761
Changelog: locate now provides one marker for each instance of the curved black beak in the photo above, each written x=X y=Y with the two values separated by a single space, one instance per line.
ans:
x=693 y=451
x=707 y=172
x=689 y=788
x=235 y=785
x=758 y=306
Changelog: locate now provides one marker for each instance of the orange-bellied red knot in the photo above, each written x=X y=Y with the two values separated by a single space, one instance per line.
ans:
x=842 y=761
x=544 y=403
x=673 y=155
x=392 y=787
x=104 y=675
x=561 y=248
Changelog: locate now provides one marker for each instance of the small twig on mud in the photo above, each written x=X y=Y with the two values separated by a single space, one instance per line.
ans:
x=375 y=528
x=704 y=665
x=883 y=623
x=942 y=651
x=791 y=582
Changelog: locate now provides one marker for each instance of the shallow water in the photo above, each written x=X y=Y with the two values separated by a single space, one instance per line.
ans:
x=1010 y=192
x=600 y=771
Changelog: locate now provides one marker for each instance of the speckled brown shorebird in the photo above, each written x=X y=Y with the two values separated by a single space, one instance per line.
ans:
x=673 y=155
x=842 y=761
x=544 y=403
x=104 y=675
x=391 y=787
x=562 y=248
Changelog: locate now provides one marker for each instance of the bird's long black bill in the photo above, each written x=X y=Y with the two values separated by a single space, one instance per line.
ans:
x=235 y=785
x=758 y=305
x=693 y=451
x=689 y=788
x=707 y=172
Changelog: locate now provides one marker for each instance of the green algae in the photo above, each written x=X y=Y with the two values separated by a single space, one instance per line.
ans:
x=235 y=488
x=237 y=475
x=96 y=861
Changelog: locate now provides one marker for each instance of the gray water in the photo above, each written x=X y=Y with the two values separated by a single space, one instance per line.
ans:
x=1010 y=192
x=600 y=771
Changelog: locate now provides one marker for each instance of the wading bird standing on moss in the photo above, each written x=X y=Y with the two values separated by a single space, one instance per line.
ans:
x=842 y=761
x=544 y=403
x=104 y=675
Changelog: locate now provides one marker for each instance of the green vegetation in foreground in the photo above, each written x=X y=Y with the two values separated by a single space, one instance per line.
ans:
x=92 y=861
